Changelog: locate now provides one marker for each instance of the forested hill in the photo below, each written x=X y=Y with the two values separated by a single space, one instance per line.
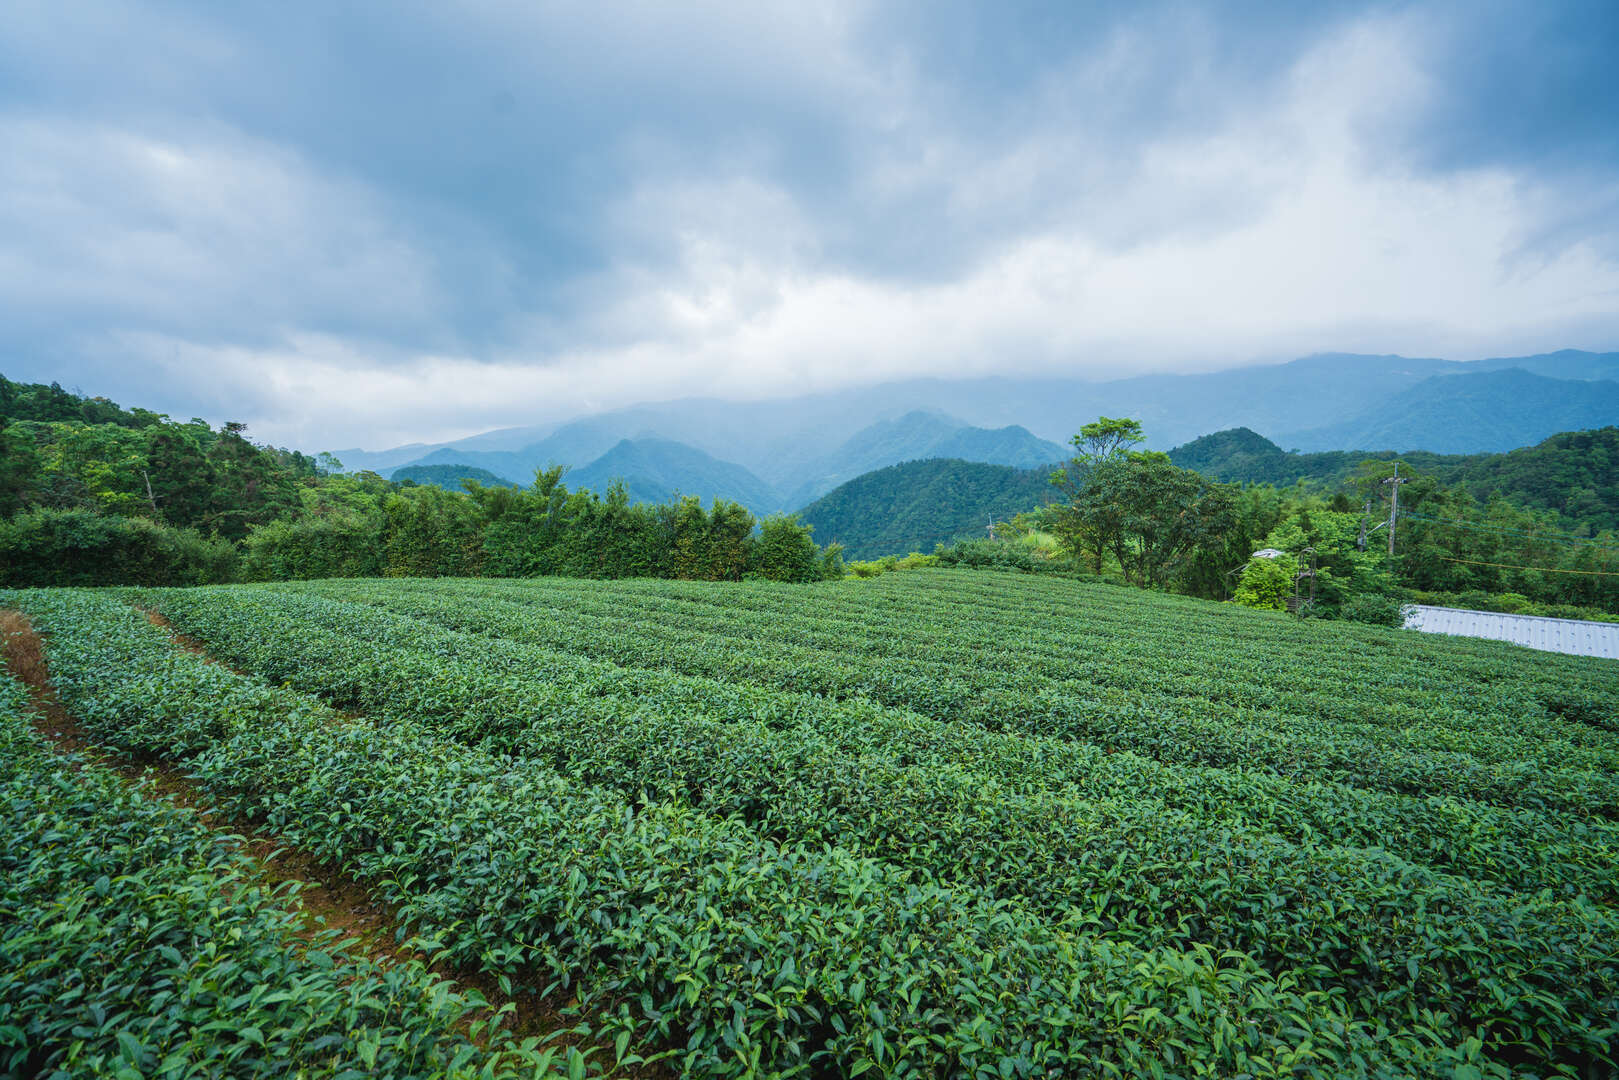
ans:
x=62 y=451
x=449 y=477
x=917 y=504
x=1575 y=473
x=657 y=470
x=913 y=506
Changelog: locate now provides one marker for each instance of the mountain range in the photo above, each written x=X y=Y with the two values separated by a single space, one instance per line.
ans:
x=1472 y=414
x=655 y=468
x=783 y=454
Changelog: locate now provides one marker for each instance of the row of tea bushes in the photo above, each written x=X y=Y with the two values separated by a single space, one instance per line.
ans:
x=1398 y=939
x=372 y=659
x=135 y=942
x=747 y=956
x=1408 y=751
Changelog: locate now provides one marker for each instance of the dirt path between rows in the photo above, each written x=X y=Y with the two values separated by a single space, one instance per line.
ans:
x=326 y=897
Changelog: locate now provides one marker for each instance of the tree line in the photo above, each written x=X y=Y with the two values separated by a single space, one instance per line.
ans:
x=1136 y=515
x=93 y=494
x=1574 y=474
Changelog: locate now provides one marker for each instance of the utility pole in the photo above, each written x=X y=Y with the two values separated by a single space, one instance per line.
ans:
x=992 y=527
x=149 y=496
x=1365 y=518
x=1394 y=483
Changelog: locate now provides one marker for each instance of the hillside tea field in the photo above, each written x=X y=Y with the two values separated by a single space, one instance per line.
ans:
x=932 y=824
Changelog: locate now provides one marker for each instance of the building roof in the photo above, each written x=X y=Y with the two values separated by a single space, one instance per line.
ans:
x=1576 y=637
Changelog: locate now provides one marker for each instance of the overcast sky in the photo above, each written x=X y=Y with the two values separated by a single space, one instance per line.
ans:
x=366 y=224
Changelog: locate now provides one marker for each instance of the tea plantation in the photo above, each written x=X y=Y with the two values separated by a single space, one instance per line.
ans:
x=933 y=824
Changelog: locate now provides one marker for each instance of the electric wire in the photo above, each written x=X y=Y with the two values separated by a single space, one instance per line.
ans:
x=1555 y=537
x=1541 y=569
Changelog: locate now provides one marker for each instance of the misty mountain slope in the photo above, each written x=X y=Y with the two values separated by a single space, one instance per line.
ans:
x=654 y=466
x=1468 y=414
x=449 y=477
x=382 y=461
x=502 y=463
x=1174 y=409
x=574 y=444
x=915 y=505
x=1563 y=364
x=655 y=470
x=918 y=435
x=1012 y=445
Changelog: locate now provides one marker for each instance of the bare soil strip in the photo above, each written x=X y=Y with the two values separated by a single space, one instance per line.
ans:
x=327 y=898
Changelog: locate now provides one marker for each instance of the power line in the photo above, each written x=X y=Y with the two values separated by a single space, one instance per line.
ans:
x=1541 y=569
x=1555 y=537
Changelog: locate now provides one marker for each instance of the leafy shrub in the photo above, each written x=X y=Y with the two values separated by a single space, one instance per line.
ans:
x=784 y=551
x=1374 y=609
x=1266 y=583
x=832 y=562
x=80 y=547
x=871 y=568
x=999 y=555
x=332 y=545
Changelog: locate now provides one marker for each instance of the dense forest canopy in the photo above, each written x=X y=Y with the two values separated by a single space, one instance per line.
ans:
x=1164 y=524
x=1575 y=473
x=919 y=504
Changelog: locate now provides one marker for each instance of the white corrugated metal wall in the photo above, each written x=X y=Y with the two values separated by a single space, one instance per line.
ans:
x=1573 y=636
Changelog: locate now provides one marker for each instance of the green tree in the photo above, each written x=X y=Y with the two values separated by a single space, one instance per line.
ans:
x=690 y=548
x=1150 y=515
x=431 y=533
x=182 y=478
x=1266 y=583
x=252 y=486
x=730 y=528
x=1087 y=526
x=1107 y=439
x=785 y=550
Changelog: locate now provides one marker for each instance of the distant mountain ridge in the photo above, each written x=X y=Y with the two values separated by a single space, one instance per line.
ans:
x=657 y=470
x=653 y=469
x=803 y=447
x=922 y=435
x=1470 y=414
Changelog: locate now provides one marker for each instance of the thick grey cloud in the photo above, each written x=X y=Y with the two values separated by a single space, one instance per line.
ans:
x=380 y=222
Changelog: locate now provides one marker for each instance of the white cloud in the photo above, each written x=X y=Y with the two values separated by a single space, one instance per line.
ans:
x=1074 y=240
x=107 y=224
